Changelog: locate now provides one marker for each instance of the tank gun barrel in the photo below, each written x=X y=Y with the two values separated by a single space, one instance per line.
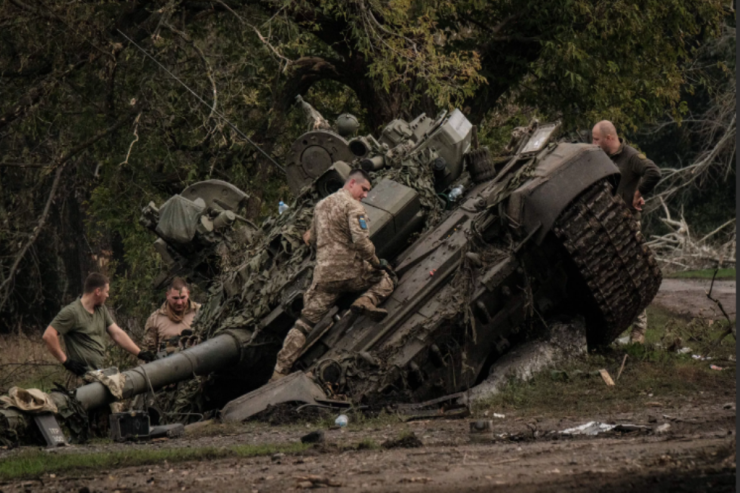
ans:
x=219 y=352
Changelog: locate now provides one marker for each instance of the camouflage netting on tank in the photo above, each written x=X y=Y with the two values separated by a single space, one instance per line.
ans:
x=255 y=276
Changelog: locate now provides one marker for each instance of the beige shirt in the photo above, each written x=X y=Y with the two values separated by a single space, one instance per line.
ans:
x=340 y=230
x=159 y=328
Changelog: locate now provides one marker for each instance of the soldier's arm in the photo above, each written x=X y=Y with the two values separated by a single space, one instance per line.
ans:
x=122 y=339
x=648 y=171
x=62 y=323
x=51 y=339
x=309 y=237
x=151 y=334
x=360 y=232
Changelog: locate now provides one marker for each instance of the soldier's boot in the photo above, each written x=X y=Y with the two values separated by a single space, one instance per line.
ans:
x=638 y=329
x=365 y=306
x=276 y=376
x=292 y=346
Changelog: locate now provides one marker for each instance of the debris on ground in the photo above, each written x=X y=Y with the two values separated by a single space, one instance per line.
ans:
x=593 y=428
x=313 y=437
x=312 y=481
x=405 y=441
x=662 y=428
x=607 y=378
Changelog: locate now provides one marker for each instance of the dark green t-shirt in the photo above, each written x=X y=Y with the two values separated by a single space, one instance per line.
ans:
x=84 y=332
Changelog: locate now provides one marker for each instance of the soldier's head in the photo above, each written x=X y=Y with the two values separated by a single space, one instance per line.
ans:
x=604 y=135
x=178 y=295
x=97 y=287
x=358 y=184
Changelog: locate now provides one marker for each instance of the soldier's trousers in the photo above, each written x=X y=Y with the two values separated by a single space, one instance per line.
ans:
x=640 y=325
x=317 y=302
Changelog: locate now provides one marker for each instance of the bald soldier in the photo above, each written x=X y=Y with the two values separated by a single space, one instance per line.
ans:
x=639 y=174
x=345 y=262
x=639 y=177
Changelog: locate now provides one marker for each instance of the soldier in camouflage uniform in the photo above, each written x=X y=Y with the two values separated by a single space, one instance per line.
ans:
x=639 y=177
x=345 y=262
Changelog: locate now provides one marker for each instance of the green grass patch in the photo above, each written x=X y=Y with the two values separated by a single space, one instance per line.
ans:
x=703 y=274
x=34 y=463
x=654 y=372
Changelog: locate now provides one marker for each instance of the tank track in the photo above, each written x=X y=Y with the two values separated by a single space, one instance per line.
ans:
x=620 y=272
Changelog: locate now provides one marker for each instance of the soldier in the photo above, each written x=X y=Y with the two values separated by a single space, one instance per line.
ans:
x=639 y=177
x=345 y=262
x=83 y=324
x=176 y=314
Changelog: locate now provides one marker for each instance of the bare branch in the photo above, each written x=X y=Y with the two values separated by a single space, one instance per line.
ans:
x=60 y=165
x=288 y=61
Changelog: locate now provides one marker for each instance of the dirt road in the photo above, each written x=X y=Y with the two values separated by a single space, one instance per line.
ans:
x=695 y=453
x=683 y=443
x=687 y=297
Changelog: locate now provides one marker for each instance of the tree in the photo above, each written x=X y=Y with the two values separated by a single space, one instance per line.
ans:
x=68 y=75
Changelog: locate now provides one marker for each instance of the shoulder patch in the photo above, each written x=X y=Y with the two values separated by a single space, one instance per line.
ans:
x=641 y=155
x=361 y=220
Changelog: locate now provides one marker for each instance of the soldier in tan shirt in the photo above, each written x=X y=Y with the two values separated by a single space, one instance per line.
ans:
x=174 y=316
x=345 y=262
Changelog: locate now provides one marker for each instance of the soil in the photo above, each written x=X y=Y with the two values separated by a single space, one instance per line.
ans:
x=687 y=297
x=696 y=453
x=687 y=446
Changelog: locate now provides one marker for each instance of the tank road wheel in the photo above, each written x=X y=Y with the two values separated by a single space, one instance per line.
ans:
x=480 y=165
x=619 y=273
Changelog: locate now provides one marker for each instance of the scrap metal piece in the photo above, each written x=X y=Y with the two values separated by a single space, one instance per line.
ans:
x=129 y=426
x=50 y=430
x=296 y=387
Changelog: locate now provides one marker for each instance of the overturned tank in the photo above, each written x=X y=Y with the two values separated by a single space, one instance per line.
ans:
x=488 y=252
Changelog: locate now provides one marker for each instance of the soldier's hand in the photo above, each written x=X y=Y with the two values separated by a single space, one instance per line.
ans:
x=384 y=265
x=307 y=237
x=76 y=367
x=638 y=201
x=146 y=356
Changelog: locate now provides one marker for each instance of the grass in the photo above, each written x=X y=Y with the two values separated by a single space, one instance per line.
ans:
x=654 y=372
x=31 y=464
x=724 y=274
x=25 y=362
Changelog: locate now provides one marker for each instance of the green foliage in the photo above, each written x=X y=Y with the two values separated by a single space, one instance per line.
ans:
x=66 y=74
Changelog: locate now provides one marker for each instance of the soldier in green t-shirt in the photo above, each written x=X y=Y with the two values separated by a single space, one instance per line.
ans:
x=83 y=324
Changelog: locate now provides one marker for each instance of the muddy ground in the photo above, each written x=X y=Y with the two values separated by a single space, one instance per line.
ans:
x=695 y=453
x=684 y=444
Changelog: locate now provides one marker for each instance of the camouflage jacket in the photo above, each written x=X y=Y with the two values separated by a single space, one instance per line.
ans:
x=159 y=328
x=340 y=232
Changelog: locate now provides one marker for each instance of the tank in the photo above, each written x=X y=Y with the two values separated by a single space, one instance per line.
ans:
x=488 y=252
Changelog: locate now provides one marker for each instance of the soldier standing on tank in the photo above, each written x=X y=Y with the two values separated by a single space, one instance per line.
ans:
x=345 y=262
x=83 y=324
x=639 y=175
x=164 y=326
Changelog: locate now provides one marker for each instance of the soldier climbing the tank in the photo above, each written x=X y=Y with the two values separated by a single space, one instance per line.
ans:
x=345 y=262
x=165 y=325
x=639 y=175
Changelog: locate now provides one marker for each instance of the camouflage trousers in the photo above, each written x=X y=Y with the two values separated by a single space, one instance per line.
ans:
x=639 y=328
x=640 y=325
x=318 y=300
